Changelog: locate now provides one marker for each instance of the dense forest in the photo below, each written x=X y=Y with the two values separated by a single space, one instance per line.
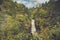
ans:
x=15 y=21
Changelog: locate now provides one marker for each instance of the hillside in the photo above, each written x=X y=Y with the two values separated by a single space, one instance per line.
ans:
x=15 y=21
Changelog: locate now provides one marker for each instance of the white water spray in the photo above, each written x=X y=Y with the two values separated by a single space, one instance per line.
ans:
x=33 y=28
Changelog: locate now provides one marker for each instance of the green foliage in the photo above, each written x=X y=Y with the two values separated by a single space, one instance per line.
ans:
x=15 y=20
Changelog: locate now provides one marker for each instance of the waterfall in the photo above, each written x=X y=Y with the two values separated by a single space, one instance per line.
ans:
x=33 y=28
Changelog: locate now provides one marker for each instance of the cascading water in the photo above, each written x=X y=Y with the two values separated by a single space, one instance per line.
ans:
x=33 y=28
